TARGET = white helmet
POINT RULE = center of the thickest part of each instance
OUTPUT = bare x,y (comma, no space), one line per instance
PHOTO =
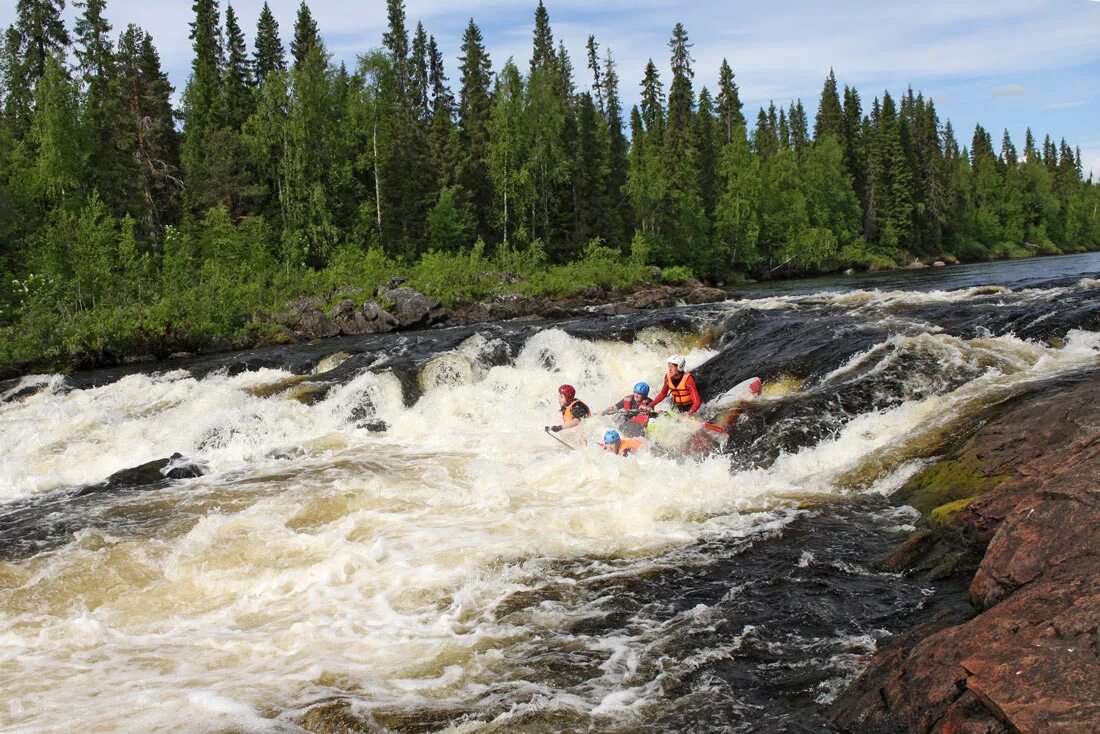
679,360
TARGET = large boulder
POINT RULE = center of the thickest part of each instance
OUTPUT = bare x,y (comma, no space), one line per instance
308,318
151,474
352,319
653,298
412,308
703,294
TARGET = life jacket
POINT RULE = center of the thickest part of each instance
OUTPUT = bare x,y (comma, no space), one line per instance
681,393
567,411
630,445
630,404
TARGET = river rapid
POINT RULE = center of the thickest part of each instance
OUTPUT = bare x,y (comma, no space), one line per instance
384,535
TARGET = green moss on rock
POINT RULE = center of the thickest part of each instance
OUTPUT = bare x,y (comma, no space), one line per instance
947,483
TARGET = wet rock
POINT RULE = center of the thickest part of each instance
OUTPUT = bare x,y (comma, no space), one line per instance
1028,661
702,294
369,318
150,473
654,298
412,308
215,345
138,358
939,264
915,265
510,306
180,355
613,309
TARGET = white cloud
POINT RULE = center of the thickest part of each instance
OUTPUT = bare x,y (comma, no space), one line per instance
1009,90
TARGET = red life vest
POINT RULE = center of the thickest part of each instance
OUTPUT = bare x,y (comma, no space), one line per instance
630,404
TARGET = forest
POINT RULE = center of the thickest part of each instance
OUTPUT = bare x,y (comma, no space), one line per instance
129,225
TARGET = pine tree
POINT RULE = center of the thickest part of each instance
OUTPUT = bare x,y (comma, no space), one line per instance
237,85
441,137
653,100
42,35
729,103
800,132
306,35
829,115
473,132
269,56
619,227
592,49
542,51
202,98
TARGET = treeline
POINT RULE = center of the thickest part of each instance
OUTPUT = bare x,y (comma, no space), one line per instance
122,218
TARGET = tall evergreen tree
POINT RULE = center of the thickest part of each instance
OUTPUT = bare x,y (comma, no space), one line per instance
42,35
269,55
592,49
800,132
653,100
618,229
202,104
473,133
306,35
829,115
441,139
237,86
729,103
419,73
542,50
708,140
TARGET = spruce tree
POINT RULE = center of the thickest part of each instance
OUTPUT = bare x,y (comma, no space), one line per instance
619,228
729,103
800,133
851,137
542,51
419,70
473,132
202,108
269,55
306,35
708,141
592,49
237,85
42,35
441,137
829,115
653,100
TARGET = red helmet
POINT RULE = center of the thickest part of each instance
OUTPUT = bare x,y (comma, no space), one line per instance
568,391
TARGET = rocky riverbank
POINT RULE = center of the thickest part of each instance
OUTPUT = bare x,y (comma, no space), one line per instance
1019,507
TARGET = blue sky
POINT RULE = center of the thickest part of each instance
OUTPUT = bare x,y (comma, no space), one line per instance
1006,63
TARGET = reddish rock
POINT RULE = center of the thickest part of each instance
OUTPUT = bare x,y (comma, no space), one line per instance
1030,661
654,298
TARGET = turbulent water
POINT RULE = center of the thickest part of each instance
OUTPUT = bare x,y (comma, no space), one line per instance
384,534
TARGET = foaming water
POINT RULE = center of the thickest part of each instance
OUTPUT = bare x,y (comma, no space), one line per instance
461,568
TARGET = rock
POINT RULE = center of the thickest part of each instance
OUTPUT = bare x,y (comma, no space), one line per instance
149,474
138,358
509,277
412,308
613,309
702,294
369,318
939,264
915,265
215,344
594,293
654,298
180,355
316,325
389,285
511,306
1028,661
244,341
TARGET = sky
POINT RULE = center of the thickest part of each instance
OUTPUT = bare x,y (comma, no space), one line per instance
1007,64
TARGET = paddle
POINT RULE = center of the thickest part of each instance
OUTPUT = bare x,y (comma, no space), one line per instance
563,443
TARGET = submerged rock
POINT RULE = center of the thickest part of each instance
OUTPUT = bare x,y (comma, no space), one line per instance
1028,661
146,475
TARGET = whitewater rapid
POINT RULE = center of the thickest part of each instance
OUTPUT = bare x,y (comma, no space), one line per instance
412,568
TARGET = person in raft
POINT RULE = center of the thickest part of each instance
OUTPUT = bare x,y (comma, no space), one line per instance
616,444
681,385
573,411
634,410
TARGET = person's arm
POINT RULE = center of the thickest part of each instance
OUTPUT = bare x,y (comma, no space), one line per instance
661,395
615,408
696,398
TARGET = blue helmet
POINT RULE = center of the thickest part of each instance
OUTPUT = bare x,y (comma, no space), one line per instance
642,388
612,436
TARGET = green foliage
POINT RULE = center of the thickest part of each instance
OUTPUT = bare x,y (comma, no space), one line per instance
120,232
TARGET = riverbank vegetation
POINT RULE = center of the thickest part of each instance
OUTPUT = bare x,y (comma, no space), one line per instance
125,221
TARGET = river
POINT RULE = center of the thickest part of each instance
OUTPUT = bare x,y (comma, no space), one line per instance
384,538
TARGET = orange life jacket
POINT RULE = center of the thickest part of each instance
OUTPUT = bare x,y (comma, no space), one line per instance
681,394
567,411
629,445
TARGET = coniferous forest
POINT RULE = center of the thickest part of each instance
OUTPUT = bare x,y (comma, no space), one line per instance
128,224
